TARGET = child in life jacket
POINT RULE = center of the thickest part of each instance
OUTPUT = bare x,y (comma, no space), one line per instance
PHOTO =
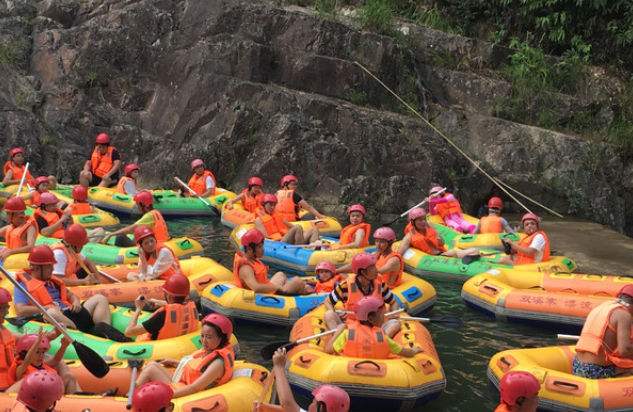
31,357
365,338
445,204
326,279
356,234
80,205
153,397
519,392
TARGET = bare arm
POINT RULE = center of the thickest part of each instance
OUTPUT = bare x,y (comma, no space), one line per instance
116,165
404,244
123,231
133,328
310,209
260,226
329,347
622,321
8,178
213,372
248,277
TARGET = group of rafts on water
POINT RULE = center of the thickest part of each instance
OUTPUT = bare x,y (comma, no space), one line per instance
542,291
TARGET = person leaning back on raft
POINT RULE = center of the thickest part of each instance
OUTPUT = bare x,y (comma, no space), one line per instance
534,248
21,232
155,259
251,197
103,167
356,234
275,227
290,203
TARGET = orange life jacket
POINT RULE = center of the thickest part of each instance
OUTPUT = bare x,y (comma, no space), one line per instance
18,171
366,342
197,182
425,242
160,227
51,218
328,285
19,407
14,234
13,371
354,293
490,224
524,259
101,164
408,228
35,200
37,289
286,207
382,261
120,187
72,266
503,407
79,208
274,230
592,334
202,359
448,208
7,353
348,232
151,259
251,203
261,270
180,319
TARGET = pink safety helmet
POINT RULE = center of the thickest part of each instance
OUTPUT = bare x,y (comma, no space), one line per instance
416,213
196,162
530,216
363,261
516,385
356,208
103,138
152,397
40,390
41,179
252,236
255,181
385,233
269,198
334,398
26,341
366,305
325,266
287,179
47,198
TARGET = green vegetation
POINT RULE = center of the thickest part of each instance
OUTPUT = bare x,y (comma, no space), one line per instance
356,97
621,130
377,16
326,8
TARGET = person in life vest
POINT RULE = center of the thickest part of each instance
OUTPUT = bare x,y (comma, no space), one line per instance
519,392
365,281
421,235
275,227
155,260
364,338
49,218
39,392
493,223
290,203
31,357
52,293
208,367
40,186
103,167
127,184
534,248
150,217
14,169
21,232
153,397
356,234
251,197
80,205
327,398
605,346
202,182
389,263
176,315
249,272
326,278
449,209
67,267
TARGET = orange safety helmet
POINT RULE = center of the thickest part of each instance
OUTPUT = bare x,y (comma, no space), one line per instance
495,202
287,179
144,198
80,193
103,138
177,285
41,255
14,151
14,205
255,181
75,235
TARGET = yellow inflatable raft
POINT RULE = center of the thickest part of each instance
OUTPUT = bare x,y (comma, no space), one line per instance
561,391
329,227
394,384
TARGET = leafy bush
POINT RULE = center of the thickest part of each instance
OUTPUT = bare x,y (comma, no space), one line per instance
377,16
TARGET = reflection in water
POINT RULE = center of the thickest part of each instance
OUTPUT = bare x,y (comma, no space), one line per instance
464,352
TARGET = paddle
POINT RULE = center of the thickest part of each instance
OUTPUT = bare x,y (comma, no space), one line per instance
568,337
20,321
445,320
205,201
135,364
91,359
308,246
26,169
267,386
268,350
471,258
85,268
407,212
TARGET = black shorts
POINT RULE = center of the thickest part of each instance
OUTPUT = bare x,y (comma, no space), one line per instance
96,180
81,319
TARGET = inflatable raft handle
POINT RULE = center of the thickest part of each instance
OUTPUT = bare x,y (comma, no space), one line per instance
359,364
88,218
135,354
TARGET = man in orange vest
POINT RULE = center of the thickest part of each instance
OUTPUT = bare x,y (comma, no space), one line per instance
202,182
155,260
605,349
14,169
290,203
493,223
519,392
21,232
103,167
534,248
67,267
275,227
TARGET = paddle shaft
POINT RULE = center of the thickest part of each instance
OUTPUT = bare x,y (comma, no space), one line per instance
132,385
407,212
568,337
269,383
26,170
193,192
85,268
393,312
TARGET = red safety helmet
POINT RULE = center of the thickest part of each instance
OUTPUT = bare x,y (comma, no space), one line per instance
103,138
530,216
287,179
144,198
356,208
152,397
41,179
269,198
385,233
26,341
363,261
626,290
130,168
40,390
435,189
75,235
325,266
518,384
80,193
416,213
334,398
196,162
177,285
252,236
5,296
220,321
41,255
365,305
48,198
14,151
141,232
255,181
495,202
14,205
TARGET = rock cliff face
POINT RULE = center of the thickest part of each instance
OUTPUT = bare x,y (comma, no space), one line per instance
255,89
